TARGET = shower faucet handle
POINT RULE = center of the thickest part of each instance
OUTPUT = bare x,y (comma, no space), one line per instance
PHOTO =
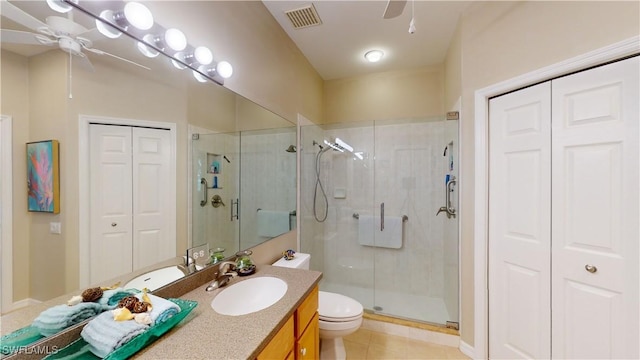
442,209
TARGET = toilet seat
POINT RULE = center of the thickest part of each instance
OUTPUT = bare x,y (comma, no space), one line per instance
338,308
339,326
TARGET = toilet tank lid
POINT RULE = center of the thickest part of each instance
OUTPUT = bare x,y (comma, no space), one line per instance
298,261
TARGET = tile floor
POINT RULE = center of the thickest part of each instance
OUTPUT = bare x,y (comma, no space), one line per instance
368,344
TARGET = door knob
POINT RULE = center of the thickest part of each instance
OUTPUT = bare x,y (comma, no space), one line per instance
590,268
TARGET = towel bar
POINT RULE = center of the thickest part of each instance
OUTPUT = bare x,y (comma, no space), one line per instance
404,217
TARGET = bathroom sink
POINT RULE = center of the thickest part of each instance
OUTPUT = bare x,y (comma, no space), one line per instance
249,296
155,279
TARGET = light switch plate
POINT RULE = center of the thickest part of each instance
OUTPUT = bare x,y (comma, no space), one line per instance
55,228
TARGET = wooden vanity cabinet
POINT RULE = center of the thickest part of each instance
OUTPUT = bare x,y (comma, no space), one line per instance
299,338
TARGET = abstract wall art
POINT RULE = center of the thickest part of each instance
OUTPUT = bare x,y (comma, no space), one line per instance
43,176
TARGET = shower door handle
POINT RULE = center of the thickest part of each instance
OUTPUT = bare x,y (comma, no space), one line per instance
203,202
381,216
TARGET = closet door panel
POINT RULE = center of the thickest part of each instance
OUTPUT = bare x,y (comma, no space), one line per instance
153,240
519,224
595,212
111,226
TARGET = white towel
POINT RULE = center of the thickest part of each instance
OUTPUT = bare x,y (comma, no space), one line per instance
369,233
391,236
366,230
272,223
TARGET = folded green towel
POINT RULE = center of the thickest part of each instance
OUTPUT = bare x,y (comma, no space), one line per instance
104,335
60,317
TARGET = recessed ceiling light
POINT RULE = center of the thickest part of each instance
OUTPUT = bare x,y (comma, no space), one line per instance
374,55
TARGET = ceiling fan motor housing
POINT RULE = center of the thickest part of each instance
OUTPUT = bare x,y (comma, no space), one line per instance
70,45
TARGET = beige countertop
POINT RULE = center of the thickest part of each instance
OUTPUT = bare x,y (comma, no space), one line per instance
205,334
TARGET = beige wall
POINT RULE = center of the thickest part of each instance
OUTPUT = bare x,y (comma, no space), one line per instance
14,92
500,40
268,68
385,95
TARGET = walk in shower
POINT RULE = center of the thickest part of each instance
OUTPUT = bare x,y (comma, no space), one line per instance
369,193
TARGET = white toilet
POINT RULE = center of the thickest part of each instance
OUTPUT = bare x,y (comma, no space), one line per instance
339,315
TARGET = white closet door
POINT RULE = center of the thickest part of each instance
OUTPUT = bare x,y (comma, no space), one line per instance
153,240
519,224
111,225
595,213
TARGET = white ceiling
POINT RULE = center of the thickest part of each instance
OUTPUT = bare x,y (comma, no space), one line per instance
350,28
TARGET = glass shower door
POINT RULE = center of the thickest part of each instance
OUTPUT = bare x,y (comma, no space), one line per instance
414,278
215,183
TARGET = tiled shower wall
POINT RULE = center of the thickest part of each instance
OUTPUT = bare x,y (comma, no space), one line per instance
407,174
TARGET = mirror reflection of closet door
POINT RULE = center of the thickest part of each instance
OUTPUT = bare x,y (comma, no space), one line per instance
129,175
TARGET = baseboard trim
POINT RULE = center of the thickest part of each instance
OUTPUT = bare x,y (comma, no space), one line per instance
21,304
467,349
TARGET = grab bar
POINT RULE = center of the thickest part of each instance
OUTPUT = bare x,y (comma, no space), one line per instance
203,202
448,208
356,216
381,216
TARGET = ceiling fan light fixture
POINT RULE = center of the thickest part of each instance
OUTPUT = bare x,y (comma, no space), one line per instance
138,15
175,39
374,55
107,30
60,5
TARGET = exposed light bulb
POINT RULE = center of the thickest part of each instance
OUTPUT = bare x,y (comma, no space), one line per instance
224,69
199,76
203,55
175,39
374,55
138,15
107,30
60,6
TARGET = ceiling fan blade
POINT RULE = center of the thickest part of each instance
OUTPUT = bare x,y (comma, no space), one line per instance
394,8
83,62
92,35
100,52
16,14
18,37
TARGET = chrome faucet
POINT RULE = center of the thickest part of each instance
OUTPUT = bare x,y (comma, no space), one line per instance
223,276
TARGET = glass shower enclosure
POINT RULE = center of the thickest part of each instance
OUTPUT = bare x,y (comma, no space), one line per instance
371,195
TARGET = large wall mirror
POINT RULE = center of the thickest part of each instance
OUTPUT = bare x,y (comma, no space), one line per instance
51,94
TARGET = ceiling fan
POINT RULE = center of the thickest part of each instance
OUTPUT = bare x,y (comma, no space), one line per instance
396,7
68,35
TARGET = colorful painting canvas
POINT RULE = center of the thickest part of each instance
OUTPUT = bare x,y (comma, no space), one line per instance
43,176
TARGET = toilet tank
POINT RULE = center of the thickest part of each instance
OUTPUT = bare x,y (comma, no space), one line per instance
299,261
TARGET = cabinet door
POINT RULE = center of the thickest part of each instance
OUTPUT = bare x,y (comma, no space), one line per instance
308,345
519,224
281,345
306,311
595,196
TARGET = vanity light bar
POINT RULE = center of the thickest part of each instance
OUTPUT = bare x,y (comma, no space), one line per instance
135,19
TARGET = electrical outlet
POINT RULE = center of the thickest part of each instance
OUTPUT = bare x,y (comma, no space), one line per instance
55,228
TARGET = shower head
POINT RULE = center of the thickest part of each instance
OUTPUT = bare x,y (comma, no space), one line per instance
291,149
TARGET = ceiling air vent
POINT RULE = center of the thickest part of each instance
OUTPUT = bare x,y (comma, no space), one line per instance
304,17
